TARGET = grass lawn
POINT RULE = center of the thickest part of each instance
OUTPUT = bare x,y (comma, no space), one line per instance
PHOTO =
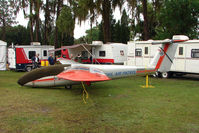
113,106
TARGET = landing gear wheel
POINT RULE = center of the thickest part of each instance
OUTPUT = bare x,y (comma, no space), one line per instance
165,75
29,68
68,86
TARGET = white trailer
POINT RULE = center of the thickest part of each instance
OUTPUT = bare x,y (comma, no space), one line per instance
111,53
3,55
19,56
186,59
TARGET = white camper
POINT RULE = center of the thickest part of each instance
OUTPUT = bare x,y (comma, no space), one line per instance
186,60
19,56
3,55
111,53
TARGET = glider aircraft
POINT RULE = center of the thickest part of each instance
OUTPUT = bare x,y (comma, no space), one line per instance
71,72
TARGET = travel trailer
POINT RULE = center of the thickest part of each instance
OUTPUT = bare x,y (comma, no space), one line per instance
3,56
97,52
186,59
19,56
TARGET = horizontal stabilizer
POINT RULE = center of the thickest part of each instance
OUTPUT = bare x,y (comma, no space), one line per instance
83,74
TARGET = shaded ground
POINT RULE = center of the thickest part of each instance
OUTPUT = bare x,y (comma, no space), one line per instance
114,106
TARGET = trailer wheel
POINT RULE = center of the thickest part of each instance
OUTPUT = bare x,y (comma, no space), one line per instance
68,86
29,68
165,75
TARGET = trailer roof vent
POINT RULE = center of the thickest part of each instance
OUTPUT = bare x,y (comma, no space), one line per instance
35,43
180,38
97,42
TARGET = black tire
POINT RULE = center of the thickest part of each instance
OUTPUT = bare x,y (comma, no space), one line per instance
68,86
28,68
165,75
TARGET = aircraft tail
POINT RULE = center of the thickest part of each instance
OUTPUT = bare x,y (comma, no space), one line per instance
163,59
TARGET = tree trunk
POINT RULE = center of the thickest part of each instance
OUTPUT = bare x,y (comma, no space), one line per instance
37,9
59,4
91,31
31,22
146,31
37,29
46,25
4,30
106,20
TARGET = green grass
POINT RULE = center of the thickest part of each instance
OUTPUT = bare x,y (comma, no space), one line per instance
113,106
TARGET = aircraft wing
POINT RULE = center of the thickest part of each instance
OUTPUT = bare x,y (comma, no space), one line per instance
83,74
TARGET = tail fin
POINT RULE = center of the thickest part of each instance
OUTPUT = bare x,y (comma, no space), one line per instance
163,59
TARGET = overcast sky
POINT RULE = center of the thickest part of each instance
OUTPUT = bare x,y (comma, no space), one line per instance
79,29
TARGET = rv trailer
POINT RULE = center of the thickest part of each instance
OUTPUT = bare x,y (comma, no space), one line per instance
3,55
19,56
110,53
186,60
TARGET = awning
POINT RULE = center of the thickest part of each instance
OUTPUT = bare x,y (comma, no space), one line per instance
73,46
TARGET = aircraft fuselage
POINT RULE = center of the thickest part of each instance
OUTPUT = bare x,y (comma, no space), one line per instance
112,71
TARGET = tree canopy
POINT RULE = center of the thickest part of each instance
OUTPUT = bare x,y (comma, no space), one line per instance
151,19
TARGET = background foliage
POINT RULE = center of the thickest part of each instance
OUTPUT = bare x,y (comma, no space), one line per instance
156,19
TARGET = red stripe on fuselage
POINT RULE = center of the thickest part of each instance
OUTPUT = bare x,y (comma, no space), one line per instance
162,57
43,80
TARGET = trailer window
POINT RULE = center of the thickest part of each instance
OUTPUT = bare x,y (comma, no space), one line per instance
146,50
102,53
180,50
122,52
138,52
195,53
31,54
45,53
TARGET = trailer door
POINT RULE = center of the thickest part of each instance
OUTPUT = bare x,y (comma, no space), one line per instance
138,56
12,58
146,57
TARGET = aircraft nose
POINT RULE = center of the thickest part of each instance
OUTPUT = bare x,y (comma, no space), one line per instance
29,84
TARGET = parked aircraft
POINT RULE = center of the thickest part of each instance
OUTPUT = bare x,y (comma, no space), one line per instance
71,73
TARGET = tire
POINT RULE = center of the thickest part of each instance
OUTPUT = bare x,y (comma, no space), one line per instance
165,75
28,68
68,86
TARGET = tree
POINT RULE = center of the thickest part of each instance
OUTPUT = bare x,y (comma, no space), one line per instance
29,4
65,23
125,32
17,35
91,8
146,29
46,23
6,16
37,7
92,35
179,17
104,7
49,10
58,5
